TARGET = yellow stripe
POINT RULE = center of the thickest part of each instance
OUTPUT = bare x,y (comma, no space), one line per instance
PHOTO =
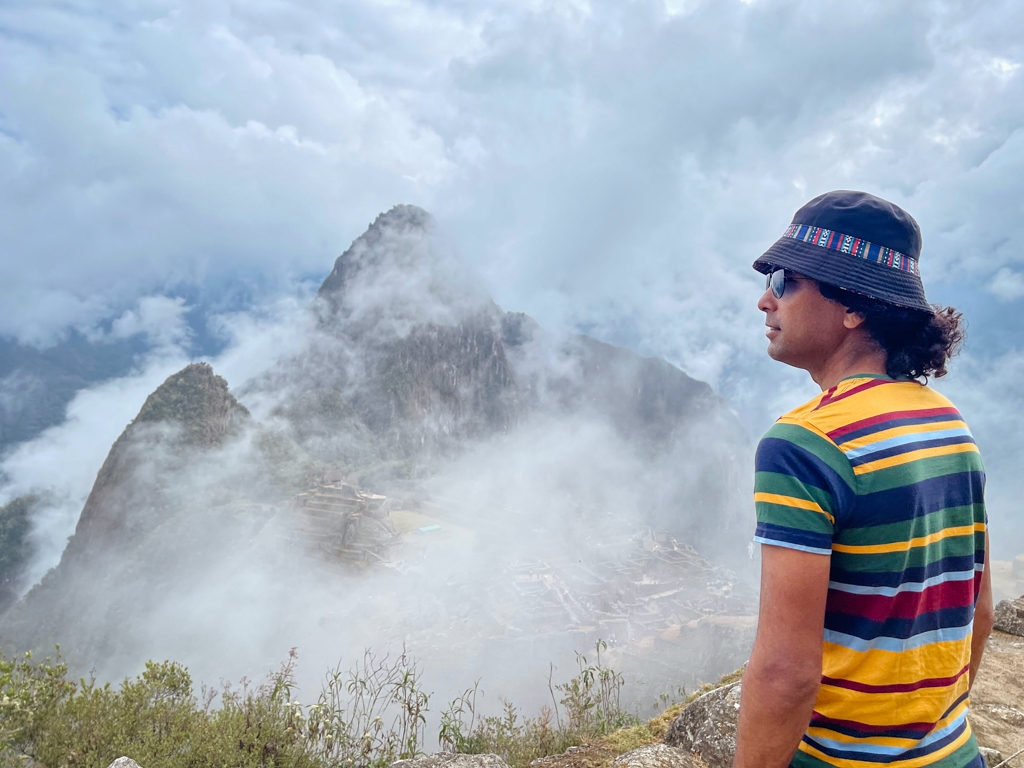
980,527
900,431
903,546
854,741
922,706
923,453
917,762
899,396
792,501
879,667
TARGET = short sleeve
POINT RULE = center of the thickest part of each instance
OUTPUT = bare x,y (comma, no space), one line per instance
798,494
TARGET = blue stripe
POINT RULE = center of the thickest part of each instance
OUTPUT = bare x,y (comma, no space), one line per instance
786,535
938,744
908,575
913,437
913,500
790,545
892,733
907,448
897,645
944,618
906,586
881,749
896,732
910,421
782,457
877,754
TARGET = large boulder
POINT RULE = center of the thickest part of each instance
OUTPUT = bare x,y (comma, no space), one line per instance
1010,616
452,760
707,727
992,757
655,756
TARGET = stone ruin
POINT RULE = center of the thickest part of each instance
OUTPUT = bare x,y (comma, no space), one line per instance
660,605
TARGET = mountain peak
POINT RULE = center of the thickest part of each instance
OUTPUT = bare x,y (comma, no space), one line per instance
198,404
393,237
198,401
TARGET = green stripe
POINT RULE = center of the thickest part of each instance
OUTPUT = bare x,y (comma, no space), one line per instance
917,471
905,530
804,519
787,485
918,557
817,445
961,758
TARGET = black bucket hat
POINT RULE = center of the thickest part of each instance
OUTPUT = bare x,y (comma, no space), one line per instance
857,242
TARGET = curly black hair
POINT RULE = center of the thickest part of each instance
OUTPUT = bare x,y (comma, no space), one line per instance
917,344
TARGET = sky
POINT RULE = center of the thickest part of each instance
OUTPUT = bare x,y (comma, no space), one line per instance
181,171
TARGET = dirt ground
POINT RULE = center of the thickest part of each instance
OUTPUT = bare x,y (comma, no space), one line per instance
997,701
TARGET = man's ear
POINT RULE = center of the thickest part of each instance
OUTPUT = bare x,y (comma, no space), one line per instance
852,319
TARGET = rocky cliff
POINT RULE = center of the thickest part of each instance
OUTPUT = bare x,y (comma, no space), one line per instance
191,410
408,367
147,519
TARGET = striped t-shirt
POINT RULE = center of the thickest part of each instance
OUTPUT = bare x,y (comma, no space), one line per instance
883,476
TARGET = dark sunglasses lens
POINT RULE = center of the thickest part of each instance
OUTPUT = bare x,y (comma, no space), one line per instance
777,281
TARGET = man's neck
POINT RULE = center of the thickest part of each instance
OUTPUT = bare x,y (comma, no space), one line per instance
846,363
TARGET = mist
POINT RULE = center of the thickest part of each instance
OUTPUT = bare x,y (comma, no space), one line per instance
526,459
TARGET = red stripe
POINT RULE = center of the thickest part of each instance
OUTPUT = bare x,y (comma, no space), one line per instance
828,399
935,682
819,720
854,426
903,605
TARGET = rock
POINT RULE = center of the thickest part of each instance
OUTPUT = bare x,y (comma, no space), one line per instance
1010,616
993,757
573,756
124,762
655,756
452,760
707,727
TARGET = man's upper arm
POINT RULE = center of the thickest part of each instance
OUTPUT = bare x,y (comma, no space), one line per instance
800,489
794,589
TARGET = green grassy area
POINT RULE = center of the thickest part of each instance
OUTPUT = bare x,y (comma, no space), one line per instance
367,717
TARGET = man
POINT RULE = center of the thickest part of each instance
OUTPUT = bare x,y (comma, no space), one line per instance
875,592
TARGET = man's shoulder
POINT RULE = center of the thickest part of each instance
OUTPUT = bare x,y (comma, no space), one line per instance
856,410
794,441
868,402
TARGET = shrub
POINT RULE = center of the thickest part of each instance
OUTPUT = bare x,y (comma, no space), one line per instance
368,717
592,706
155,718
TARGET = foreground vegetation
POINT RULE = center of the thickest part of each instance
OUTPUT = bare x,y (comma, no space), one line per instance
367,717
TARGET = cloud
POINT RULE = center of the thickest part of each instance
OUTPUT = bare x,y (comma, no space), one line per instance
62,462
1007,284
605,166
161,319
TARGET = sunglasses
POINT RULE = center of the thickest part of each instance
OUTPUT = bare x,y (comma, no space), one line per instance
777,279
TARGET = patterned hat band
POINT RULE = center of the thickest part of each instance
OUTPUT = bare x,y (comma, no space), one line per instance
862,249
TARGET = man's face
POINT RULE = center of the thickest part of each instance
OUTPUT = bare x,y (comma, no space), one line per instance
804,328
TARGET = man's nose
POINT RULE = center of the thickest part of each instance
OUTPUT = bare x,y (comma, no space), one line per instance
768,302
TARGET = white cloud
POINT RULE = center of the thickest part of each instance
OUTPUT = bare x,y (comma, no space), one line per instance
62,462
608,166
160,318
1007,284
